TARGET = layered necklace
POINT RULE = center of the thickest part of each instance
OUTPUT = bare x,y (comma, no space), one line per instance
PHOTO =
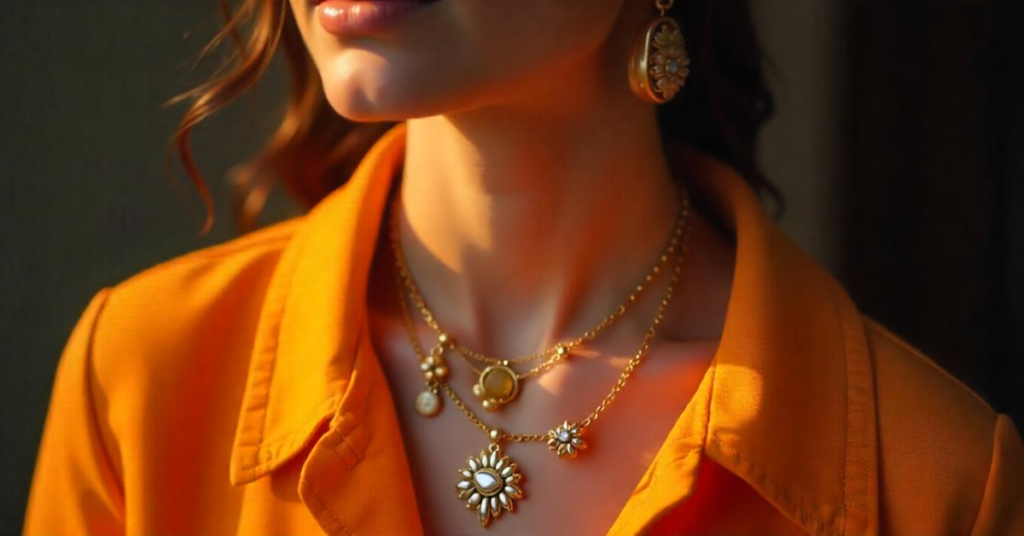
491,482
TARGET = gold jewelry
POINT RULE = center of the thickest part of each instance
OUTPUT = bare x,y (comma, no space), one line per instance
498,384
491,483
659,63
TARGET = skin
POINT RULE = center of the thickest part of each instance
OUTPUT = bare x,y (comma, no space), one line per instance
536,194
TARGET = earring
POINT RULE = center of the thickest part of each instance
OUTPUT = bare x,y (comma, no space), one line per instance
659,63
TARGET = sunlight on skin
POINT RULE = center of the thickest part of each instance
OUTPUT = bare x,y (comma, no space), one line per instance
508,137
536,194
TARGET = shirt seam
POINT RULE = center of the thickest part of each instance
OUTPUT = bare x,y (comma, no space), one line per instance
849,409
324,508
275,348
892,337
272,447
105,295
211,253
988,476
358,454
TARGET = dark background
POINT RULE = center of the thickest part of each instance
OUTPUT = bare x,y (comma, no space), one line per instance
898,143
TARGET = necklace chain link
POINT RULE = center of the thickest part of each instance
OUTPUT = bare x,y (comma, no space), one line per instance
560,350
681,235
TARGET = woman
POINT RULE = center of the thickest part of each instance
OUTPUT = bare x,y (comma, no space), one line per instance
508,319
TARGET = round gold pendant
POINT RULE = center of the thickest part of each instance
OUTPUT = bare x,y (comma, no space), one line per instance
428,404
490,484
497,385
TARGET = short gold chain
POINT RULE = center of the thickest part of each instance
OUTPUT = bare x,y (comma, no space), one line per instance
682,233
468,354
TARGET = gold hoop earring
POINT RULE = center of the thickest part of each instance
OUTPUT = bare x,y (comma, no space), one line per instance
659,63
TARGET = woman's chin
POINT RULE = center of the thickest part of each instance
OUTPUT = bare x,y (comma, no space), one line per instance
371,91
361,106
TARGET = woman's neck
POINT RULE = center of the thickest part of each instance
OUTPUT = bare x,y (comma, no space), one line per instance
526,224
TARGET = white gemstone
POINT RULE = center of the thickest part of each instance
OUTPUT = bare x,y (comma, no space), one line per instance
564,436
485,481
673,66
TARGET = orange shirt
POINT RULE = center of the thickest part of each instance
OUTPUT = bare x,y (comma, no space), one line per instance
233,390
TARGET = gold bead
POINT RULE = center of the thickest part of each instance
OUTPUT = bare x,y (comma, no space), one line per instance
443,338
562,350
441,371
430,362
478,391
429,375
489,405
424,366
495,434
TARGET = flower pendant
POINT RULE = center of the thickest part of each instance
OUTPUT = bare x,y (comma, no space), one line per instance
565,440
659,64
490,484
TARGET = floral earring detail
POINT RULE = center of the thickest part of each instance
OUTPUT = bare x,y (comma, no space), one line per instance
659,64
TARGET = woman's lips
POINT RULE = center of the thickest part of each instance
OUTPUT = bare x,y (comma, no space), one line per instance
343,17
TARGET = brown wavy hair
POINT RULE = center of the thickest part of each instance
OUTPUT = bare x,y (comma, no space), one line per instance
314,150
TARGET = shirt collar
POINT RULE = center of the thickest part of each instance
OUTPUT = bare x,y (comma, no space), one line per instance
312,318
788,403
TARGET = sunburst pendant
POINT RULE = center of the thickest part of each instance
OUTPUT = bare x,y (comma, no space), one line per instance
490,484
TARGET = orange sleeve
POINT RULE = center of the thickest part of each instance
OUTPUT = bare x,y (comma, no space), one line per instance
74,488
1002,506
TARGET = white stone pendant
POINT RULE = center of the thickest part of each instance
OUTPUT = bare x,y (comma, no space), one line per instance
428,403
490,484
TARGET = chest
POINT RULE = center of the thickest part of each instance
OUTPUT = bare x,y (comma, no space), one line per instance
581,495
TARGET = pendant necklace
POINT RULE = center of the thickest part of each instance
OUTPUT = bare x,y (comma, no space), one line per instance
491,482
498,383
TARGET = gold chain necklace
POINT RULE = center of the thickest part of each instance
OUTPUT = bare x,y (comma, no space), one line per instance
498,383
491,482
